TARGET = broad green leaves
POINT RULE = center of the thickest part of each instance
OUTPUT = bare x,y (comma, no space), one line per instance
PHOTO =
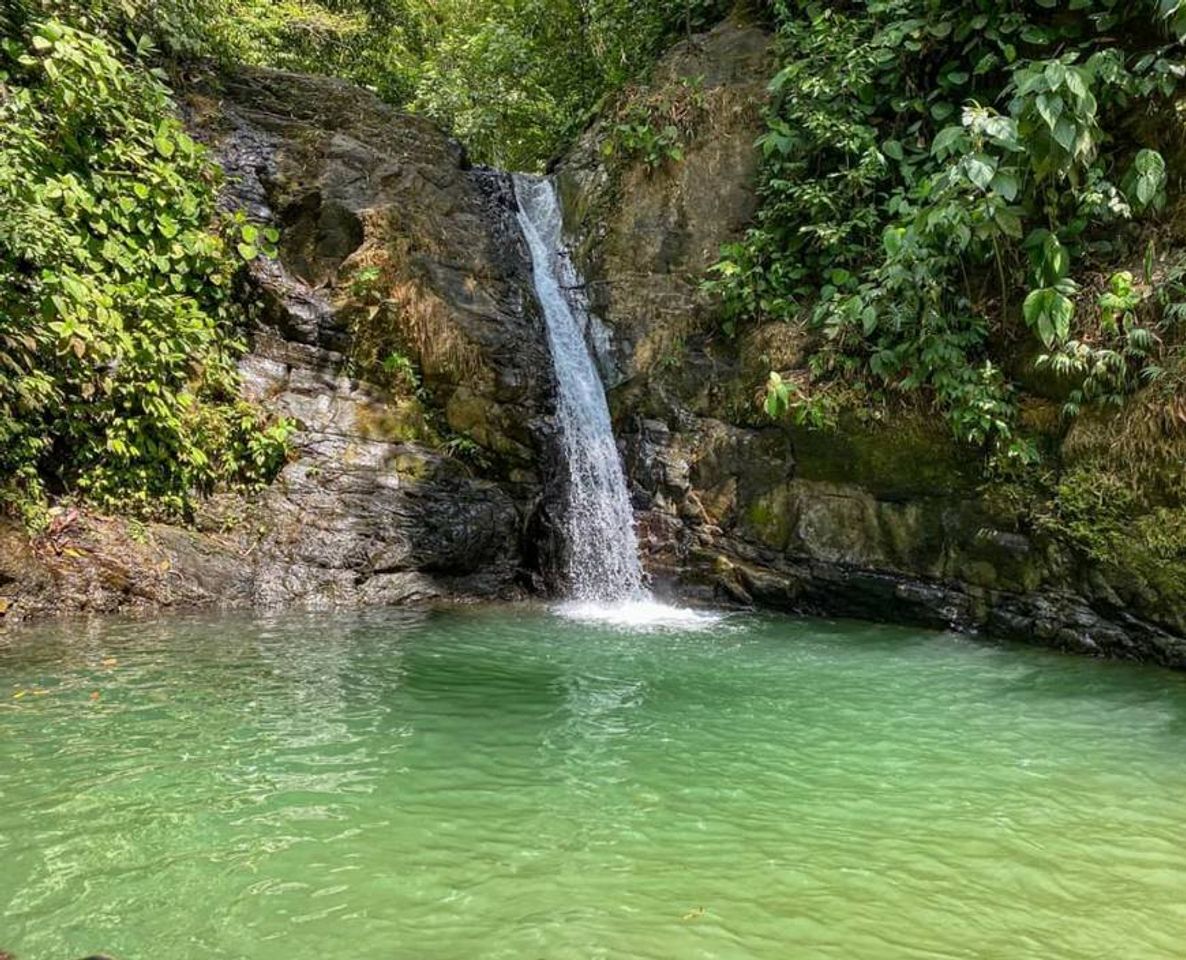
778,397
1146,181
1049,309
513,79
1056,117
1120,359
1119,300
980,170
1174,13
916,156
1049,312
117,375
253,241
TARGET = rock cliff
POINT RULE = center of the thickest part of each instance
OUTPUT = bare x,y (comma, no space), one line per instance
396,330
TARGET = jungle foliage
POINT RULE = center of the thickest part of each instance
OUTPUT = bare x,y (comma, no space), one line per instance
939,177
512,79
117,319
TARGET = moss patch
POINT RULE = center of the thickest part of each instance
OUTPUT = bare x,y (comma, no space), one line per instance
907,457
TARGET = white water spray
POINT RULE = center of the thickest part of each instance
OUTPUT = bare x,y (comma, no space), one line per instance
605,576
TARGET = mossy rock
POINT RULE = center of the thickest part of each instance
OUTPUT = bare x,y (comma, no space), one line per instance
1136,542
400,420
487,424
903,458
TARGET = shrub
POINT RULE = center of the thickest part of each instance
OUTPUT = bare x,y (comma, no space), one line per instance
117,319
933,174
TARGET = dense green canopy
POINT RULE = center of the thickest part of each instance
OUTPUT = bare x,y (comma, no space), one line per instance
511,78
118,327
941,178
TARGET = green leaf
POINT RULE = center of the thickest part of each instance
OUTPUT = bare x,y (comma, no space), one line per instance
777,397
1009,222
1076,82
1146,190
1049,108
1049,313
1006,185
247,251
1035,303
980,170
1055,73
947,141
1055,262
1147,179
942,110
1065,134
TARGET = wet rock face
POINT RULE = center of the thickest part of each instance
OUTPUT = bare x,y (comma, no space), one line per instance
364,515
882,520
402,250
390,245
409,252
645,238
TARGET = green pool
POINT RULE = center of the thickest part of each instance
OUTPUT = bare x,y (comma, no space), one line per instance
506,783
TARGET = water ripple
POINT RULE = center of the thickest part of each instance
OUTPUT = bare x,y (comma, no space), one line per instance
512,784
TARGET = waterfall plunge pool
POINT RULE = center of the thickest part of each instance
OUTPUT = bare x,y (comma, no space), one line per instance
507,783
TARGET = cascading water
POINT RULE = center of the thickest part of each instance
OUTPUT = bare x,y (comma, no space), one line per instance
599,524
605,576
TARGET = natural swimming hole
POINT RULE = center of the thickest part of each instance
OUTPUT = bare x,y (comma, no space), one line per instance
502,782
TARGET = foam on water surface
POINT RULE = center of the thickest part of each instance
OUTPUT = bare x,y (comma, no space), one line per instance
643,613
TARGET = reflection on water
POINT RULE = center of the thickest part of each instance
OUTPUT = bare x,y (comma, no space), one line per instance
506,783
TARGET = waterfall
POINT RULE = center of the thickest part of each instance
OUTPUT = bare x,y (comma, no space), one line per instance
603,563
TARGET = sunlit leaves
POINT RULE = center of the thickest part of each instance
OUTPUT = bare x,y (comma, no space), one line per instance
1056,117
1049,312
115,285
513,79
1146,181
778,397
